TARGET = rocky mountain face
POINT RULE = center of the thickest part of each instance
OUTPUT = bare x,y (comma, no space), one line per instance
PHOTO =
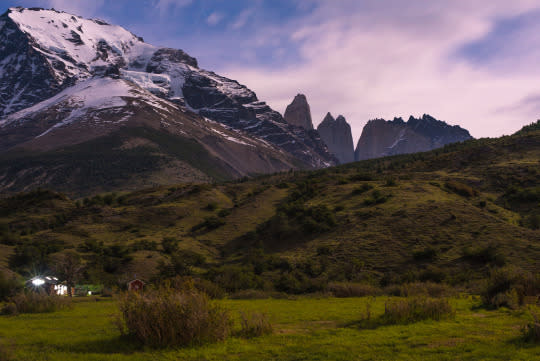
383,138
298,113
336,133
65,80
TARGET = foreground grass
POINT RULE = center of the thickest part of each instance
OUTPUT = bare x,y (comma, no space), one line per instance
305,329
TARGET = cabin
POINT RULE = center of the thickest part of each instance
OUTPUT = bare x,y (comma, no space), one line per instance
47,284
135,285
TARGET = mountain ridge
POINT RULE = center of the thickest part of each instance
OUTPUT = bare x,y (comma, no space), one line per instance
54,67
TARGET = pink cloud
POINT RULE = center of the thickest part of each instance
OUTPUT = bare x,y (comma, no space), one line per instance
367,60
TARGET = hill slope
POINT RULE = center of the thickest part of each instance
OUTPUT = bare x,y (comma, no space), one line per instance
445,215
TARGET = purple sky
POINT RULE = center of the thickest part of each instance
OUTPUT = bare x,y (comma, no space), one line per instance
472,63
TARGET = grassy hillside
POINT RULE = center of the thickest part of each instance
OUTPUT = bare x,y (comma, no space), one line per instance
448,215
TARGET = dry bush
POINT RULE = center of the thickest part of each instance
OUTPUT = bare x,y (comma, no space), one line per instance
258,295
33,302
427,289
349,289
404,311
7,351
531,331
166,317
188,283
254,324
509,287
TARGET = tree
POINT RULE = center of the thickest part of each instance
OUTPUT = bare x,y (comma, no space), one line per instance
68,266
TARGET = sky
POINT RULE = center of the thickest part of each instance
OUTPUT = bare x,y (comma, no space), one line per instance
470,63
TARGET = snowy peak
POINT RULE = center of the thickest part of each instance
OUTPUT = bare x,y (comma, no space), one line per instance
45,53
77,47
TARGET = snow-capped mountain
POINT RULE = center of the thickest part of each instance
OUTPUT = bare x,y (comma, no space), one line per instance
65,80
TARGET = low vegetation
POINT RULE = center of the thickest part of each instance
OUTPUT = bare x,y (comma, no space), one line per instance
165,318
304,328
410,310
254,324
35,302
510,287
531,331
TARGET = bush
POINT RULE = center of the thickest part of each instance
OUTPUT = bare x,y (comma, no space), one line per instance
509,287
426,289
254,324
461,189
6,352
348,289
531,331
488,254
166,318
33,302
426,254
8,287
377,198
362,189
257,295
209,223
410,310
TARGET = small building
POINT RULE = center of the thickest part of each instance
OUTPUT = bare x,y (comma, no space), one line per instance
135,285
47,284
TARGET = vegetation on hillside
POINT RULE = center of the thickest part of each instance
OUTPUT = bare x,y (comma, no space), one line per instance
449,216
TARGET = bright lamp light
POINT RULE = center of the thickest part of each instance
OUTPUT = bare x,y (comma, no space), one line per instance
38,282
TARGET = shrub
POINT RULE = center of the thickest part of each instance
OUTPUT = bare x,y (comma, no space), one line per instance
187,283
209,223
426,254
169,245
6,352
531,331
461,189
416,289
166,318
257,295
349,289
391,182
412,310
509,287
486,254
224,213
362,189
254,324
33,302
377,198
212,206
8,287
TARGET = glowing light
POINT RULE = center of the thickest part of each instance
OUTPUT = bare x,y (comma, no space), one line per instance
38,282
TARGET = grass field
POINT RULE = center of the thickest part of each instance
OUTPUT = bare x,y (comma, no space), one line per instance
305,329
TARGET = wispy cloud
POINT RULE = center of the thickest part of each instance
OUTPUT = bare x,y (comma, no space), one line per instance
242,19
393,58
214,18
164,6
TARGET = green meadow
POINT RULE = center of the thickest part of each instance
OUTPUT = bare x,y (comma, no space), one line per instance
306,328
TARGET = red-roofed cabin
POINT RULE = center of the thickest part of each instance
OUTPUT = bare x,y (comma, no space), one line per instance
135,285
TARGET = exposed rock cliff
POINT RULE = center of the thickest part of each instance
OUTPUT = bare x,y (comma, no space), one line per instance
336,133
383,138
298,113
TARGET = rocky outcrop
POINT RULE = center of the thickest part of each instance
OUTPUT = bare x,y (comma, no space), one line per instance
382,138
298,113
336,133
